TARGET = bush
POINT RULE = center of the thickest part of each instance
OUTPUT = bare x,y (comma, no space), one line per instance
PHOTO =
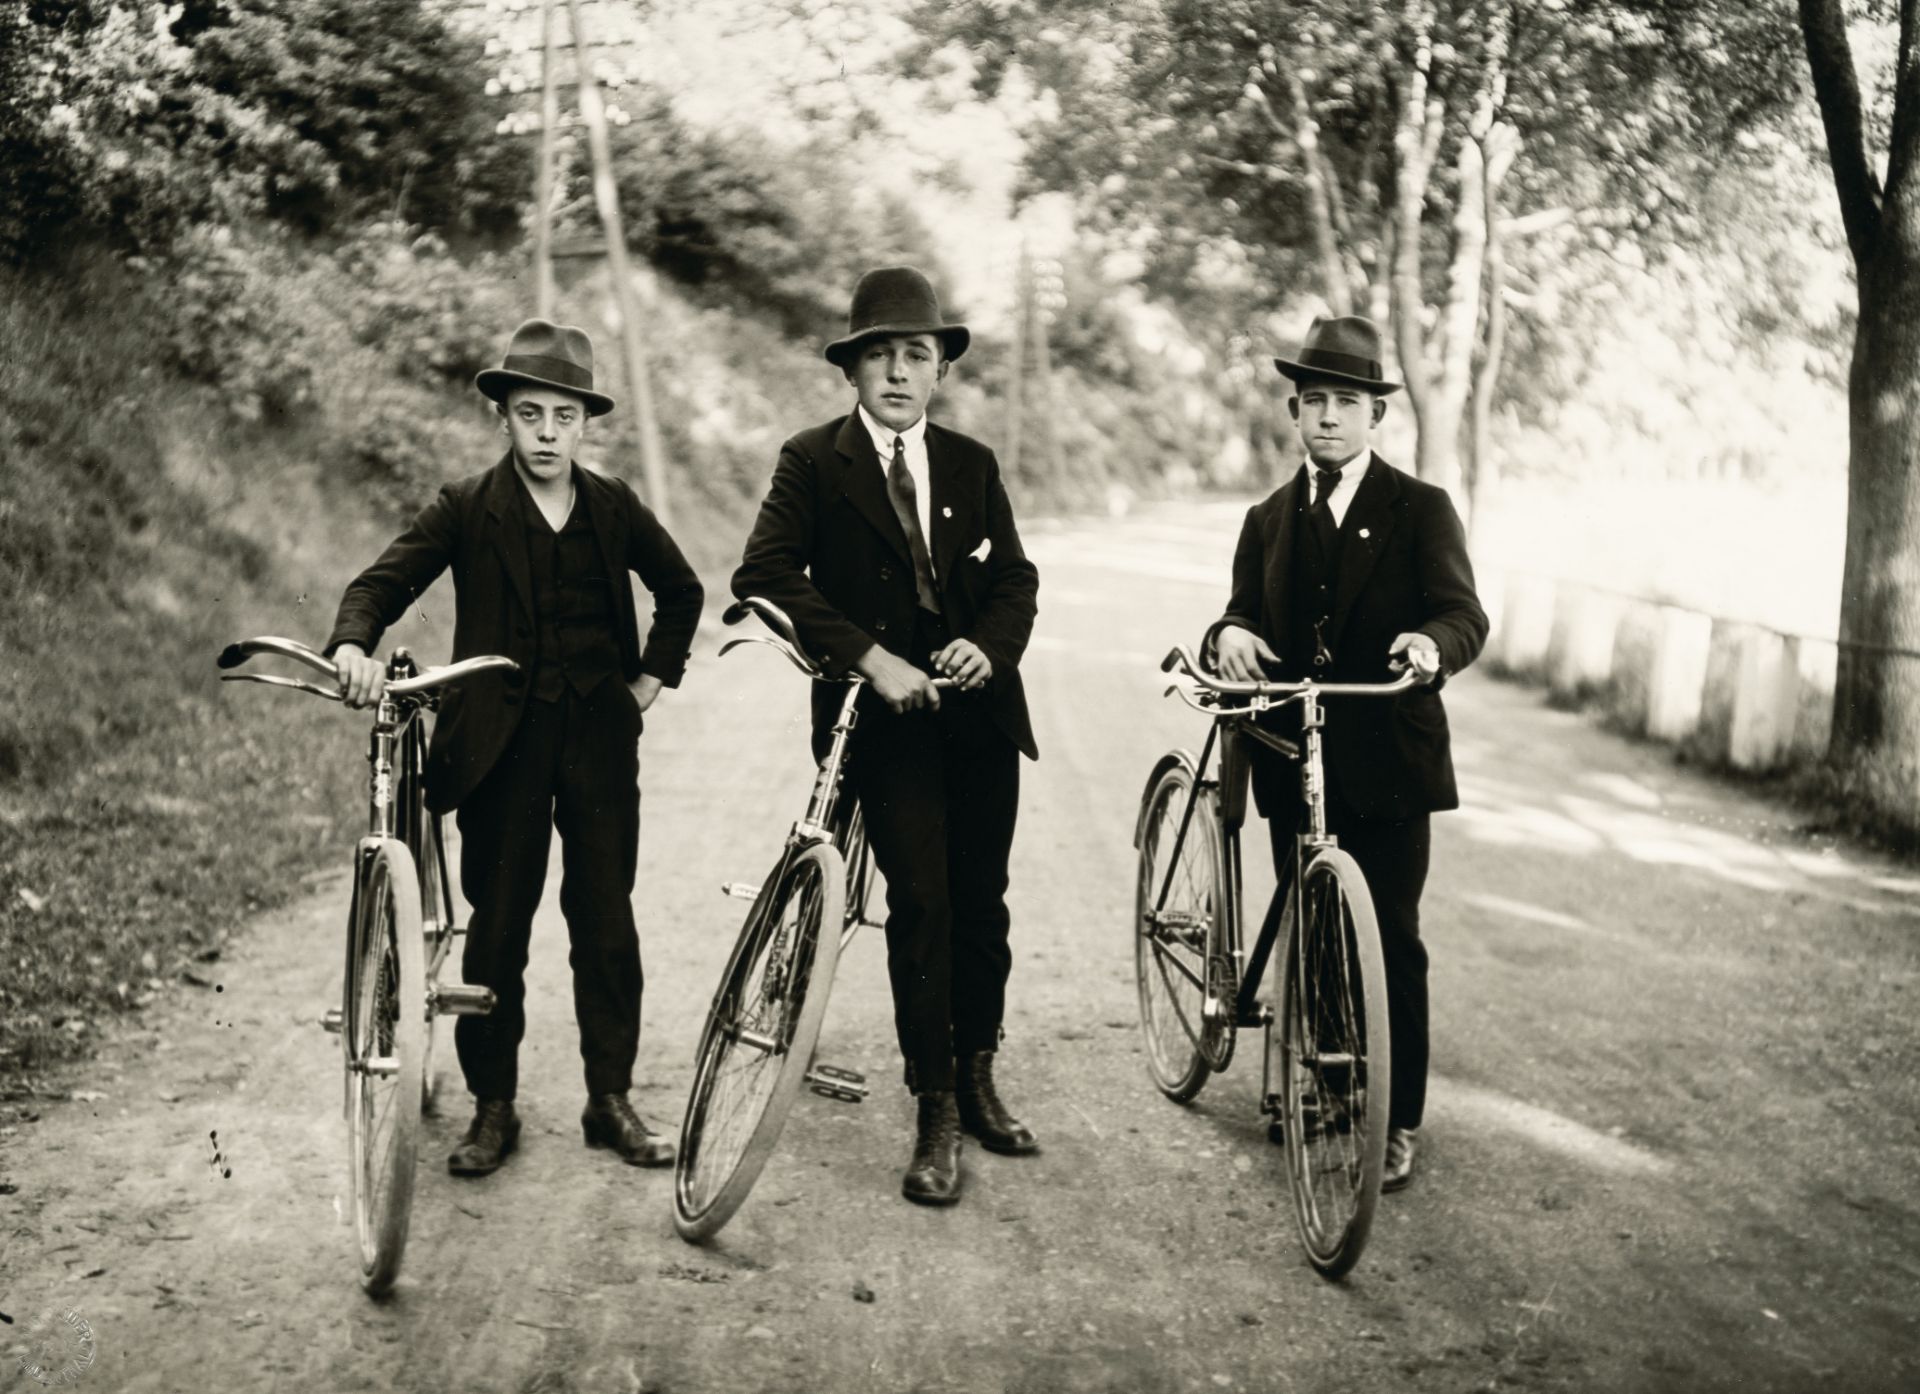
437,320
136,120
226,327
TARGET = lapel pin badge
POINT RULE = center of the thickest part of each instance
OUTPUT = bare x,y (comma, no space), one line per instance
1364,533
946,513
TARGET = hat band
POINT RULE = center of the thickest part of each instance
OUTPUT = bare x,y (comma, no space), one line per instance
1350,364
562,371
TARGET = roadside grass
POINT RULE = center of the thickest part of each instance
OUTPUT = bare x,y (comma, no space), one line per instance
143,809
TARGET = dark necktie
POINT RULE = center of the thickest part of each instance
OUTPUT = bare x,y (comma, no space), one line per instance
1325,481
906,507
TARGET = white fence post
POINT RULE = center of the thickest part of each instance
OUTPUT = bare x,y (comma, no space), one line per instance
1679,674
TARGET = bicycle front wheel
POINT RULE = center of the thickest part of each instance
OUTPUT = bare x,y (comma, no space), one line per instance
1181,961
758,1042
385,1026
1336,1062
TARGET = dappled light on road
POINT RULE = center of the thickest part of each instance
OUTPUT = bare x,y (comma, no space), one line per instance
1462,1106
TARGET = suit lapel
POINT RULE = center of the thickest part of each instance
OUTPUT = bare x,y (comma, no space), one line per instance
950,509
1363,532
609,524
864,481
1286,502
509,530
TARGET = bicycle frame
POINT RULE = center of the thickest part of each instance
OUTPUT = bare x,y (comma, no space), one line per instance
1251,965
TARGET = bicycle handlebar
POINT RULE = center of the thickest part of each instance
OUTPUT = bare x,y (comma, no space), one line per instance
425,681
1181,658
786,639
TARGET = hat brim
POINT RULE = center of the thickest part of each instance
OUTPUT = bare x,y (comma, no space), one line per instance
1379,387
955,336
494,383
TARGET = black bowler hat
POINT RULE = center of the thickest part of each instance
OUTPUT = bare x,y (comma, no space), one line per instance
544,354
895,300
1346,349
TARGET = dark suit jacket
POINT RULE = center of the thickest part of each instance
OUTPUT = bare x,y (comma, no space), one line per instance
472,527
828,549
1403,568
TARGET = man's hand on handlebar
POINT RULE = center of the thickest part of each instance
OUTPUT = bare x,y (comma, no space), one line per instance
964,662
1416,651
901,686
362,679
1240,652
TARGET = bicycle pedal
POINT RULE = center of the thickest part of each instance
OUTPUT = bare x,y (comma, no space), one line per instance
462,999
833,1082
331,1021
740,890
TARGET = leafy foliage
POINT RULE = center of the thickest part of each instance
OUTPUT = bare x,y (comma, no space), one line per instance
134,120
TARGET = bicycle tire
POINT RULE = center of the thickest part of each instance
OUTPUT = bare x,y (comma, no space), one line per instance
436,913
1336,1061
1173,948
775,989
384,1020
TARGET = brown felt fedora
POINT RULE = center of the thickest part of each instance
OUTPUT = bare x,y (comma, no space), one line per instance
1346,349
544,354
896,300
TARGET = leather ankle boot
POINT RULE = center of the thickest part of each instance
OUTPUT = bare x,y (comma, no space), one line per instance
490,1137
609,1121
933,1176
982,1113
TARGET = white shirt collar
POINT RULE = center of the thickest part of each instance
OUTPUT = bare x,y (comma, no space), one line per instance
883,434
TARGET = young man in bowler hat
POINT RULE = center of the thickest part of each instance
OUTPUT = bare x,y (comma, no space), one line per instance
890,543
1348,570
540,550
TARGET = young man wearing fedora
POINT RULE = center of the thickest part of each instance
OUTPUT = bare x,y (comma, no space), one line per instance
540,551
1345,572
890,543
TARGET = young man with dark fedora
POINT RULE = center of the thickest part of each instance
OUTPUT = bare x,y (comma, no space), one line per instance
540,549
891,544
1348,570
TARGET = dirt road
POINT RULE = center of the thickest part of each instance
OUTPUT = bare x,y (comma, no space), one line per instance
1672,1144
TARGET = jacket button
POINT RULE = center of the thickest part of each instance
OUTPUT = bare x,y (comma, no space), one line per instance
880,625
886,573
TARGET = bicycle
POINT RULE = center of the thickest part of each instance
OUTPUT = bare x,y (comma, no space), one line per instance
756,1048
1325,1079
400,930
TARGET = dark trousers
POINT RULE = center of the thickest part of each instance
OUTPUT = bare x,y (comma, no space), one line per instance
574,765
940,791
1393,857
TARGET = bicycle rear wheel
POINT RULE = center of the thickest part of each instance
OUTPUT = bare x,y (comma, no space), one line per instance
758,1042
1182,964
436,914
1336,1062
384,1030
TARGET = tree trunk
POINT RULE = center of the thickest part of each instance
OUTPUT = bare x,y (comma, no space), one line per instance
1876,704
1876,708
1483,472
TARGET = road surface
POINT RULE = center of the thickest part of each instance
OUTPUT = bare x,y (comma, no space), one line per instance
1672,1142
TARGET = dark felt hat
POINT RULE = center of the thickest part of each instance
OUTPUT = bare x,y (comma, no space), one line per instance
544,354
1346,349
895,300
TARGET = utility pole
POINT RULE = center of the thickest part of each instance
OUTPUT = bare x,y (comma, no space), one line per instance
1017,369
543,186
606,196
